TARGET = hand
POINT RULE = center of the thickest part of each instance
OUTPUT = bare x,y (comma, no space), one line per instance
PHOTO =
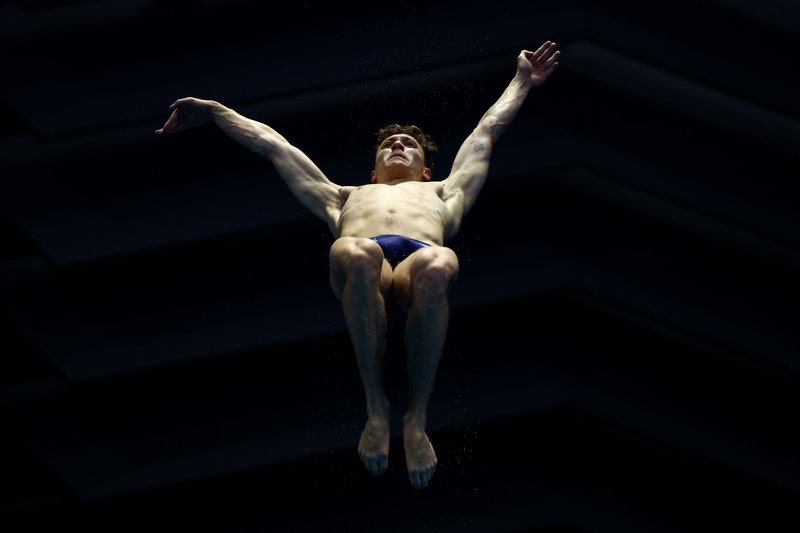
537,66
187,113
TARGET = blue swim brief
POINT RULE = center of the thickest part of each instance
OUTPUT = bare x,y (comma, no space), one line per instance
396,247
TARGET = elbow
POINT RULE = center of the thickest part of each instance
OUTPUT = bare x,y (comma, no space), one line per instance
489,130
267,144
496,129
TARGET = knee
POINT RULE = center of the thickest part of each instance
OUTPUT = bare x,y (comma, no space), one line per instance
435,271
358,259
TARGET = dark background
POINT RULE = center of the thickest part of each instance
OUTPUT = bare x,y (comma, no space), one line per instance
623,351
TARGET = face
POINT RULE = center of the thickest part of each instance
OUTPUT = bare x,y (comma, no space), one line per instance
400,158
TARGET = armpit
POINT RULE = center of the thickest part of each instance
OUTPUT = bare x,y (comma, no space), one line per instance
344,194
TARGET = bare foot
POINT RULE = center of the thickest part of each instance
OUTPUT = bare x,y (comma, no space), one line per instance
420,457
374,445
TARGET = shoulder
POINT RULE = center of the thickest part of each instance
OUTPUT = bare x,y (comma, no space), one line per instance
437,187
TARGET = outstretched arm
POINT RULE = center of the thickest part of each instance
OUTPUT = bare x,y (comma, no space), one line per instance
303,177
471,165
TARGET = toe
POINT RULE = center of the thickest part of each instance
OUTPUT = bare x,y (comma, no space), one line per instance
418,480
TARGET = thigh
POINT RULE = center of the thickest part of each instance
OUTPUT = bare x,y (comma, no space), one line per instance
414,265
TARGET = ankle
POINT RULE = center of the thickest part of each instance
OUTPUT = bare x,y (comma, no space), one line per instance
412,420
381,410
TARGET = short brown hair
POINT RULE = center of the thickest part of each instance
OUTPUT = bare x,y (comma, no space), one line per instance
424,140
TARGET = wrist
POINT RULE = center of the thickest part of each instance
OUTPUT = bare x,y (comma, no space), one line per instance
214,108
522,82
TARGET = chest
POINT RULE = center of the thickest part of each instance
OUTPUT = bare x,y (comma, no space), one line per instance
403,197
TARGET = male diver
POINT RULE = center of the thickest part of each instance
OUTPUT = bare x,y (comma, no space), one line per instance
390,238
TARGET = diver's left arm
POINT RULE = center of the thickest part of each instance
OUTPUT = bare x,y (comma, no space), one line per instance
471,164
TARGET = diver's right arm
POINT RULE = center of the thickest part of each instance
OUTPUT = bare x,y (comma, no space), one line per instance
304,178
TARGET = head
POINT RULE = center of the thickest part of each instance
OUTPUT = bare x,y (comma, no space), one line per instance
402,153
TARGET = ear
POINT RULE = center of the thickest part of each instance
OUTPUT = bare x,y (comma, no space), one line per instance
426,174
373,177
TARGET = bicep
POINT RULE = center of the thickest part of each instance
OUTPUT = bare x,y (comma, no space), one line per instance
305,179
469,171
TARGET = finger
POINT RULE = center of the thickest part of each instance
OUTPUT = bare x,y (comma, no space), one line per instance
187,100
172,124
169,124
541,50
548,53
552,60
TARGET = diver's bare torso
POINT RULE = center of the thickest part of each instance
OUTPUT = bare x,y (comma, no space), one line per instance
413,209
